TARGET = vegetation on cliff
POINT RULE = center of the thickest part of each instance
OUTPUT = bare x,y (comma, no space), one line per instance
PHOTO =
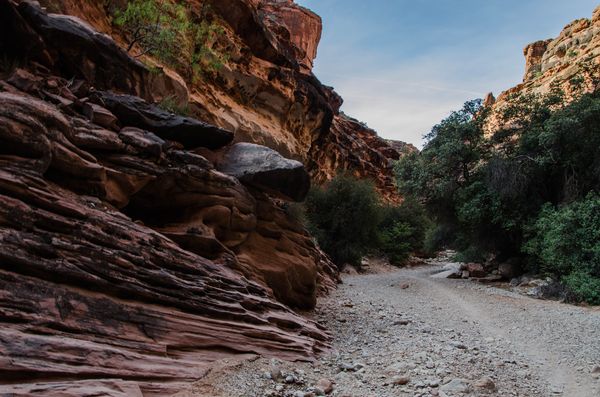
171,33
529,191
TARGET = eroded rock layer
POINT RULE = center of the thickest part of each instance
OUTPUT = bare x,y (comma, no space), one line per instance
139,246
569,62
128,262
266,92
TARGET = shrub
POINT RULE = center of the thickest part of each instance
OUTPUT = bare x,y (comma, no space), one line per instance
344,217
402,230
395,242
585,287
158,28
167,31
567,240
349,221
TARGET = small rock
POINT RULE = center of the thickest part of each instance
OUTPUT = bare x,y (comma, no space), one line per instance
276,374
290,379
101,116
485,383
433,382
458,345
596,369
456,386
400,380
326,385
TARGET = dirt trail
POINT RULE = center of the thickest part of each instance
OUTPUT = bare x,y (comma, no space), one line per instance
445,337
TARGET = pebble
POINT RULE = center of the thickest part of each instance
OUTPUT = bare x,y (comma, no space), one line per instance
400,380
456,386
485,383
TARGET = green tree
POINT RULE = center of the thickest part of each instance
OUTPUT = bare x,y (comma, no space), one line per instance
344,216
565,241
168,31
158,28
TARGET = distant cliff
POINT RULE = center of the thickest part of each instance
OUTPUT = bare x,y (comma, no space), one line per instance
567,62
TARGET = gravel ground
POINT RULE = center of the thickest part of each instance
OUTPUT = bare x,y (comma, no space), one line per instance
404,333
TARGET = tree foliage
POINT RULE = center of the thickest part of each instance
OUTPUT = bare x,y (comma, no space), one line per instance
485,193
170,32
349,221
344,217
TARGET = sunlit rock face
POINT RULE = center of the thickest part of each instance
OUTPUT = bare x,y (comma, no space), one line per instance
266,92
558,62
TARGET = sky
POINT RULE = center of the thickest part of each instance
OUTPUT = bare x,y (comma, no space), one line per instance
403,65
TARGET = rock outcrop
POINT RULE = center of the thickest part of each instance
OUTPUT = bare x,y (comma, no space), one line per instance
267,170
266,92
559,62
191,133
354,148
128,262
139,246
297,26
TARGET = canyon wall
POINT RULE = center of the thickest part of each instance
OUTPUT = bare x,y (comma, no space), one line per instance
266,92
139,246
570,62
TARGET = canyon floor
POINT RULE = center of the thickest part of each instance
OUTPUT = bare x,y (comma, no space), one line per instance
405,333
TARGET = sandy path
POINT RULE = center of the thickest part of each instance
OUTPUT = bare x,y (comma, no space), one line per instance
446,337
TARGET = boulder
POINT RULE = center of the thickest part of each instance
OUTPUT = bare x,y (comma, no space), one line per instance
509,270
99,115
133,111
475,270
266,169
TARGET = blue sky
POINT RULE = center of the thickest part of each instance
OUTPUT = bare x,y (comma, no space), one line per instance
404,65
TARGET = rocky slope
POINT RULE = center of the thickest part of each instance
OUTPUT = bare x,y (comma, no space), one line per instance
574,54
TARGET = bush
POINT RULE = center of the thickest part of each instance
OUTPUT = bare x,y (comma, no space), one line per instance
402,230
349,221
585,287
395,242
567,240
158,28
344,217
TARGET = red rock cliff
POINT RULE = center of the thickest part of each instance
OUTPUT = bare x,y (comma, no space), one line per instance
139,246
555,62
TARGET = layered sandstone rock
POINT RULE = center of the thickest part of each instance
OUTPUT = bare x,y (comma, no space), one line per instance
266,92
92,293
129,263
294,25
353,147
568,62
